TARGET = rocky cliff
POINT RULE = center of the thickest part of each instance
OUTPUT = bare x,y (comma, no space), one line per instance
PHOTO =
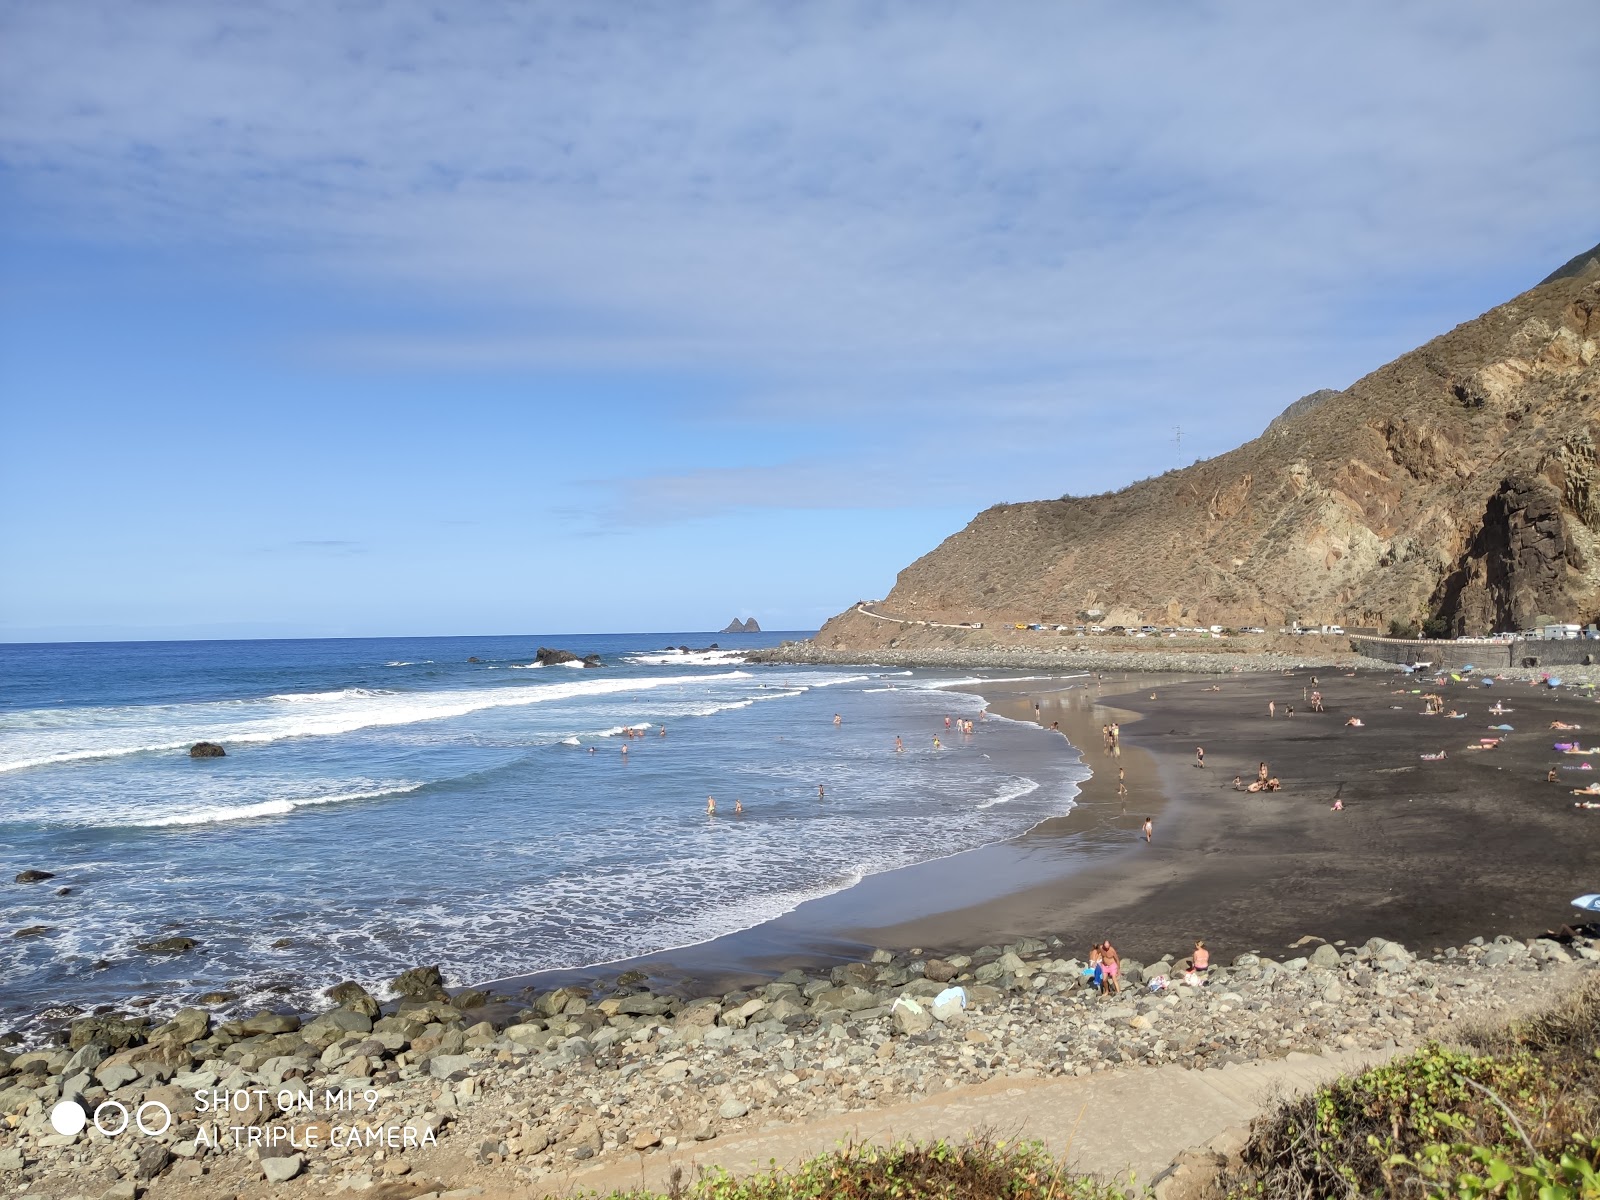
1458,481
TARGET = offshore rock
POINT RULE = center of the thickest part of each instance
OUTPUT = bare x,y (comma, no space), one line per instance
207,750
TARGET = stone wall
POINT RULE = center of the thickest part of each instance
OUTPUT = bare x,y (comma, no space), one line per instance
1485,655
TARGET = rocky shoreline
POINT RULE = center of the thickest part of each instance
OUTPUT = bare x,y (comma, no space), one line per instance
529,1087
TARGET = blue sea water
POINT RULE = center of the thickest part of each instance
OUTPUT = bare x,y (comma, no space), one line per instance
386,802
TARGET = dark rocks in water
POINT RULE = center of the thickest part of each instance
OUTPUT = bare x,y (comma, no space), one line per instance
474,660
550,658
738,626
217,997
343,993
424,983
207,750
64,891
31,931
171,945
283,944
35,876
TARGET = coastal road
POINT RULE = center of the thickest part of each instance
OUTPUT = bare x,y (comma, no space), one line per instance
1107,1124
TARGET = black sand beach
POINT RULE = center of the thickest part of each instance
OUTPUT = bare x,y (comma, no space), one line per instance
1430,853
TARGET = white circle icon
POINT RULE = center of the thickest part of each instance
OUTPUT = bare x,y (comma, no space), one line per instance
68,1118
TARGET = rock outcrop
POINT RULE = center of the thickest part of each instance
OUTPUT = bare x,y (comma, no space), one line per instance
548,657
1457,482
207,750
738,626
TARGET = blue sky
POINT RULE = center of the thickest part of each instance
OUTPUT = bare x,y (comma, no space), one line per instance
363,318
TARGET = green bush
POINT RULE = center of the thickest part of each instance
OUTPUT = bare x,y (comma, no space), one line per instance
981,1169
1512,1113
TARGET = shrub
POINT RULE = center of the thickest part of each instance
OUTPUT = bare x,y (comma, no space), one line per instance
1512,1112
980,1169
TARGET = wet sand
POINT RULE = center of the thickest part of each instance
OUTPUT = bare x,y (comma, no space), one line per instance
1426,853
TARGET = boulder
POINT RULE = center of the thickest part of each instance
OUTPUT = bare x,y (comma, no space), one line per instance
1325,956
207,750
909,1017
343,993
171,945
737,1018
450,1066
949,1004
188,1025
153,1159
423,983
32,931
554,1003
700,1013
938,970
35,876
270,1023
848,998
109,1030
283,1168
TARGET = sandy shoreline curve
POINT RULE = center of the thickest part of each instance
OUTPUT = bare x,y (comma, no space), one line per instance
1426,852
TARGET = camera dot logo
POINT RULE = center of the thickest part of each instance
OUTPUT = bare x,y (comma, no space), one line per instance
68,1118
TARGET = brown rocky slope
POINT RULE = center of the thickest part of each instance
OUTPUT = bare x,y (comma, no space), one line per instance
1458,481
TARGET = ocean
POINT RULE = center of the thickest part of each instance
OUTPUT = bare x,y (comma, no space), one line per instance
385,802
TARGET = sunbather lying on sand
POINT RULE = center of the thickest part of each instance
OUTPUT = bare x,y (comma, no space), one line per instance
1356,723
1562,725
1437,757
1586,804
1592,790
1265,785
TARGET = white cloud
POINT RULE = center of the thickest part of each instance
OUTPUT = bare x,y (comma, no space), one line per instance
1023,211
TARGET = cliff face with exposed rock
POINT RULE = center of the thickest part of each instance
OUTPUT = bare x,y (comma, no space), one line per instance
1458,481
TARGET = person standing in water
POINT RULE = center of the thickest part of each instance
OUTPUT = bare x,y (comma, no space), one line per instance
899,746
936,741
821,793
837,719
1149,830
738,808
711,806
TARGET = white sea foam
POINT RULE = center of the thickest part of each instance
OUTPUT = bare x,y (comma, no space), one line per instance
268,808
681,658
570,741
113,733
1018,789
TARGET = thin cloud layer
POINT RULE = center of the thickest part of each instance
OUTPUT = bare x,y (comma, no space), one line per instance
1019,218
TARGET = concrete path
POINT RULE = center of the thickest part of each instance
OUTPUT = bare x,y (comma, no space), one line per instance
1105,1124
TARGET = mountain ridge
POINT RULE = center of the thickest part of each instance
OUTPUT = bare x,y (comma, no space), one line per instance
1457,482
